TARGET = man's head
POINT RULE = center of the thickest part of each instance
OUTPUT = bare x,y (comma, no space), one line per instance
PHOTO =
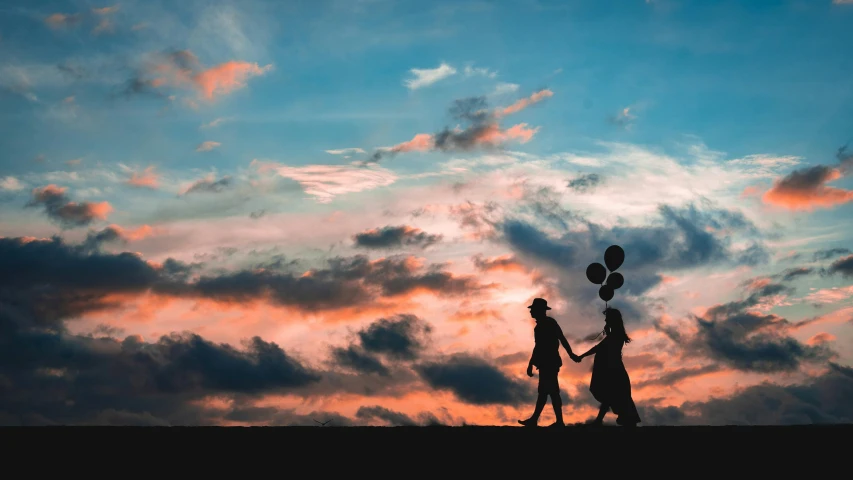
538,308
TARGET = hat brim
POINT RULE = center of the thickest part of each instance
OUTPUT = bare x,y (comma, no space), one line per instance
546,307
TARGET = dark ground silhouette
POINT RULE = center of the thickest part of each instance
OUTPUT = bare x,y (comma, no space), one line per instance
391,450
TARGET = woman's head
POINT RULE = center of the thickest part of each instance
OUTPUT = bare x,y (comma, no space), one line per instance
613,324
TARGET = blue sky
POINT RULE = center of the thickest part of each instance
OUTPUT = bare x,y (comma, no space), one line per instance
681,128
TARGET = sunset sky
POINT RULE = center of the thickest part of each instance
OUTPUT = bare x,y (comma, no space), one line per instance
281,212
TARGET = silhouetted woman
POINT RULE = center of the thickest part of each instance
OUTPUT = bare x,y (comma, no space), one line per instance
610,383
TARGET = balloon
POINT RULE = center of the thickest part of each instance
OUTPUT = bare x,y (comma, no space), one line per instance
613,257
605,293
615,280
596,273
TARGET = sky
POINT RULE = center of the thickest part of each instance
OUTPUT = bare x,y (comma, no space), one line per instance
283,213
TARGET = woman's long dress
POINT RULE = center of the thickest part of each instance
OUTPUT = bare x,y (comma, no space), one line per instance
610,383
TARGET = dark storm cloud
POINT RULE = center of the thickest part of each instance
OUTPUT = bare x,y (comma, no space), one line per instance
738,337
681,238
357,359
585,182
343,282
474,380
94,240
823,400
60,280
842,266
57,377
402,337
395,237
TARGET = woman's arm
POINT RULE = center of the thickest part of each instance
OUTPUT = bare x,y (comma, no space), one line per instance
592,350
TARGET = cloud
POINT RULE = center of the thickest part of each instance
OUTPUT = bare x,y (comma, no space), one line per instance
396,419
424,77
830,295
471,71
98,17
325,182
403,337
843,266
215,122
585,182
207,146
181,69
208,184
819,401
345,151
66,213
506,263
84,279
623,119
474,380
11,183
744,339
505,89
827,254
130,381
395,237
147,179
483,130
524,103
116,234
806,189
63,20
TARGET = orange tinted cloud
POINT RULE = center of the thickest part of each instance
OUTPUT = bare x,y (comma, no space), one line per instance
227,77
148,178
821,338
421,142
182,69
475,315
806,190
138,233
58,206
525,102
505,263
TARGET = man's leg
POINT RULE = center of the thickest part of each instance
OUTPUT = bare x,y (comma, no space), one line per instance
556,401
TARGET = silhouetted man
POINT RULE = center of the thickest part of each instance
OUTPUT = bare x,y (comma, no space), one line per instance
546,357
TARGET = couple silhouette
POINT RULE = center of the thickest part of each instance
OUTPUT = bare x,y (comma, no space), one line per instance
610,384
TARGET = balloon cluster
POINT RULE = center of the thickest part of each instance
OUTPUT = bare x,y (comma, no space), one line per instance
595,272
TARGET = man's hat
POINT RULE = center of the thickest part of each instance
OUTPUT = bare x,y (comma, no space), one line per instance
539,303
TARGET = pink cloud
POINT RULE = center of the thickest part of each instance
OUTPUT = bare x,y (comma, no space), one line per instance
830,295
524,103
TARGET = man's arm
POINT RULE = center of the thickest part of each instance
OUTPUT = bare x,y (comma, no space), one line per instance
562,338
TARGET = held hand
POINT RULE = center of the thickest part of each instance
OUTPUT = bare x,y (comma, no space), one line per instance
530,370
576,358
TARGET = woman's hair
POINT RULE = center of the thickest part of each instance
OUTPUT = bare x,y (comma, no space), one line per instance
614,325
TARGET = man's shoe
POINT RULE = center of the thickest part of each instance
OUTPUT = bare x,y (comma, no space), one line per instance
557,424
528,423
